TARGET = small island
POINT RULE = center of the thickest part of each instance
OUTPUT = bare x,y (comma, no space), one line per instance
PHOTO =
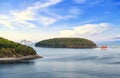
12,51
66,43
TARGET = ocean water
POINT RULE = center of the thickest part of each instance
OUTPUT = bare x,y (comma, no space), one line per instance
67,63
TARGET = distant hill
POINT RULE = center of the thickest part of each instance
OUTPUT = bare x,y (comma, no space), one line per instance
11,49
66,43
117,41
114,40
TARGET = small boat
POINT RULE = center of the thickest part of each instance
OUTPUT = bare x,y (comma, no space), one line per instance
104,47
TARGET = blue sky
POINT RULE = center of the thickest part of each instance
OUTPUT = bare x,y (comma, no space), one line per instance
35,20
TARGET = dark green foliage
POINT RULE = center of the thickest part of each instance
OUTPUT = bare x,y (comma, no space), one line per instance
12,49
66,43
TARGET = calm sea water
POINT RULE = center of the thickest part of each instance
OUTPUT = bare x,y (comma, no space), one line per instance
67,63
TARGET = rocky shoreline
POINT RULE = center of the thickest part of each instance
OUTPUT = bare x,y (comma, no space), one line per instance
14,59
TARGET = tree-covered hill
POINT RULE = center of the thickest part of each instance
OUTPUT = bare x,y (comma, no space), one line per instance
11,49
66,43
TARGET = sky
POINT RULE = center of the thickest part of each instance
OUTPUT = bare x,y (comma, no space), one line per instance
35,20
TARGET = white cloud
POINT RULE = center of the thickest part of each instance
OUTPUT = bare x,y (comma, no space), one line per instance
85,30
46,20
4,20
116,37
65,33
22,18
75,11
39,12
47,4
30,12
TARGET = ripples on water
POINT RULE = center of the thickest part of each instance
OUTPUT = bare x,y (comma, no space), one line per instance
67,63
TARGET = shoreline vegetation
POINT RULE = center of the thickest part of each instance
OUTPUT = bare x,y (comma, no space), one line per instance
12,51
66,43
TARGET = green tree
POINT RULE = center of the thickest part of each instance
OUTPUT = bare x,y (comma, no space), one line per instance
67,43
11,49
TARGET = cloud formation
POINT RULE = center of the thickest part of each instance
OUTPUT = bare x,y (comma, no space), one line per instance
23,17
4,20
115,38
85,30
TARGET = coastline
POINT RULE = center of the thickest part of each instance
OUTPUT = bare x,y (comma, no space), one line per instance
29,57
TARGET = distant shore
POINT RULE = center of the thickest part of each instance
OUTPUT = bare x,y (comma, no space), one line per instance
29,57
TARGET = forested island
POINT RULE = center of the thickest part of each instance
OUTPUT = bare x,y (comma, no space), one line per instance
10,50
66,43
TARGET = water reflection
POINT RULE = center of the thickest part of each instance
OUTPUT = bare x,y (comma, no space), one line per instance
17,62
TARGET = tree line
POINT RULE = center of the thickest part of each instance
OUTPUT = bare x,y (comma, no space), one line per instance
12,49
66,43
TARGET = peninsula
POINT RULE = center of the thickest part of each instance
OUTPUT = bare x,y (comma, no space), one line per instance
66,43
12,51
